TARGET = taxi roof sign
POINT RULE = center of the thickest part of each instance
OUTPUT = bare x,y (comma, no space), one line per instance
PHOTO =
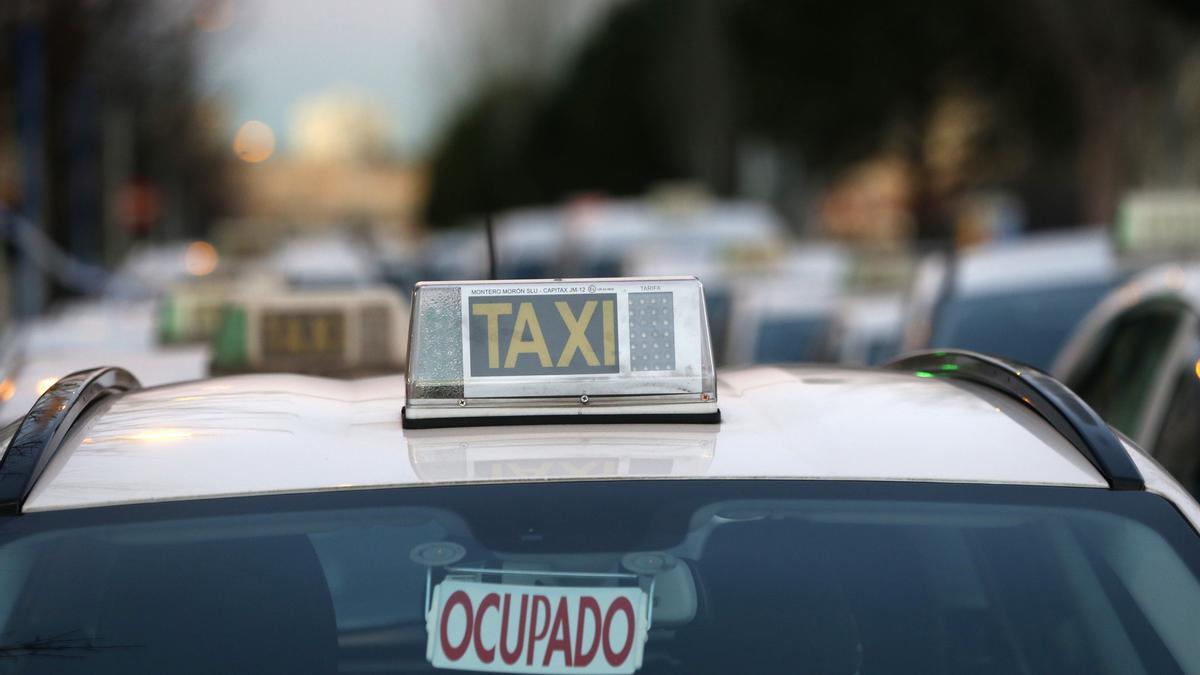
562,350
1159,222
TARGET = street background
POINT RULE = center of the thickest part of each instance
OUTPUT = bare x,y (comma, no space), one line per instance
829,169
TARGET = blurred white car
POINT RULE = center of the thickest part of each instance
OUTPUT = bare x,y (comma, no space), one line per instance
82,334
866,328
1017,299
780,321
326,262
27,379
150,269
1136,360
596,237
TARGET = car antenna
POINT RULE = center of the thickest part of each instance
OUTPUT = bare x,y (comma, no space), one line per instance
491,244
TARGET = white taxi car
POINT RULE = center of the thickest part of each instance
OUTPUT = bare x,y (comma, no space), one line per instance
552,488
1136,360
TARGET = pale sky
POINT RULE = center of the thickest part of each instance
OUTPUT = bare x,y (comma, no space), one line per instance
413,58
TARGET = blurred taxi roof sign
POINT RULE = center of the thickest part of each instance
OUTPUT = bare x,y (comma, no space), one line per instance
351,332
552,351
1159,222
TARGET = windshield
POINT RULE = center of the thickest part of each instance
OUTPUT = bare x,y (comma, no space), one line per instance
761,577
1027,326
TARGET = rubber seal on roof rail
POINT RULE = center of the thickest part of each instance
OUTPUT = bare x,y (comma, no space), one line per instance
42,430
529,420
1048,397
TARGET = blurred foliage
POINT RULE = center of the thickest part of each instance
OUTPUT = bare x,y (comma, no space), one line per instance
480,149
668,89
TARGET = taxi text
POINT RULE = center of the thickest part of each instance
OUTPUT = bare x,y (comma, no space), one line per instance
543,335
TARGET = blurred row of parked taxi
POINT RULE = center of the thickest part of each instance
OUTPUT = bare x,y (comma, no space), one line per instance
1113,311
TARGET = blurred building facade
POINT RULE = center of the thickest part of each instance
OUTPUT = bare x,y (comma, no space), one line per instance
337,168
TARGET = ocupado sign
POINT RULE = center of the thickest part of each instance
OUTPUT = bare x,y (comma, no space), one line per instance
536,629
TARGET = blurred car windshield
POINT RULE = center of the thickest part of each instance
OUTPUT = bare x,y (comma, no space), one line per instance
762,577
1029,326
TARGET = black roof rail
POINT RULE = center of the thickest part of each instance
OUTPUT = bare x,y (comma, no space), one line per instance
42,430
1048,397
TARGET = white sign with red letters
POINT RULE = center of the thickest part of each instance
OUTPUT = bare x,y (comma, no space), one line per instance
508,628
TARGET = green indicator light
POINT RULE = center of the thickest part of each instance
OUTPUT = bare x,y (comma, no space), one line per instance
949,366
939,353
923,373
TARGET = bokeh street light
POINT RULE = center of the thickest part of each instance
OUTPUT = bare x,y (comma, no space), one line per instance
254,142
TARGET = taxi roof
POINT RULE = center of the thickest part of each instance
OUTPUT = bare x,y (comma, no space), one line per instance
260,434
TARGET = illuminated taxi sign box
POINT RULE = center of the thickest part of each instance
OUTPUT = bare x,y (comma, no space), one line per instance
1159,222
482,351
359,331
191,312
